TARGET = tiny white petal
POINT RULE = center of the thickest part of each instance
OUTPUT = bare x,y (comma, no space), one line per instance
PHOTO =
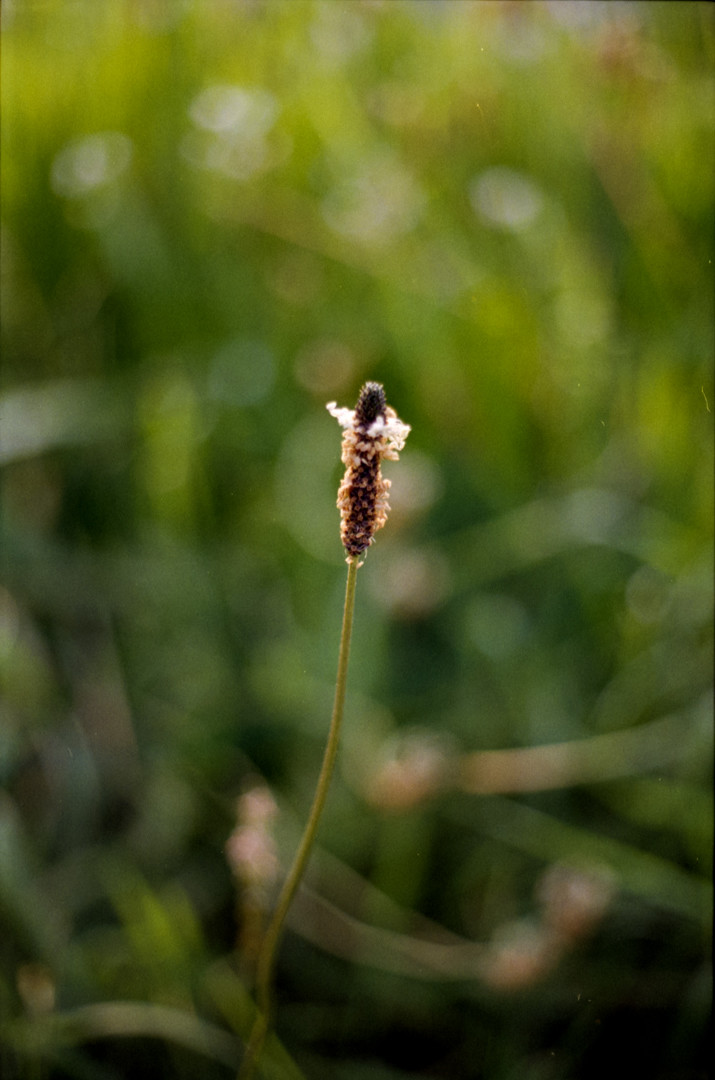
392,427
397,433
345,417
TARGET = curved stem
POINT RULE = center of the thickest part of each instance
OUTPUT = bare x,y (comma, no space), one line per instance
269,947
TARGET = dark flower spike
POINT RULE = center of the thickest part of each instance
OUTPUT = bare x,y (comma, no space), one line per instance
373,431
371,403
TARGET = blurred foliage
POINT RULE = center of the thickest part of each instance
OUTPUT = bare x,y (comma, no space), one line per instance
217,217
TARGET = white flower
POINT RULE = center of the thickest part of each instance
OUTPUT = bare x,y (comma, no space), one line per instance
345,417
392,428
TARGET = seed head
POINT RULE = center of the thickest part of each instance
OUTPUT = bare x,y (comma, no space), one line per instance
373,431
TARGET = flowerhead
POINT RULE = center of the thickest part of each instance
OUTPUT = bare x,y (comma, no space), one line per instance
373,431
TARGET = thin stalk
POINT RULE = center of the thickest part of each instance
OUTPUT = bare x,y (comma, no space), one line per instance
269,946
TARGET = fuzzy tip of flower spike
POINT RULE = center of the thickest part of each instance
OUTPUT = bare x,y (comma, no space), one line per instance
371,403
373,431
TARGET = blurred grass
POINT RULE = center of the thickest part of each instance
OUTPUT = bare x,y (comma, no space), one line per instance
217,217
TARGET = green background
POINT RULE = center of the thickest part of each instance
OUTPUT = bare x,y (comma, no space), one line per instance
217,217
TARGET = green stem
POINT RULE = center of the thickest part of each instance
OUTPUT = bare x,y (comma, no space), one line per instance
269,946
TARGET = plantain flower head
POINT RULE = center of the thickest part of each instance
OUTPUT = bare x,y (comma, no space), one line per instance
373,431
